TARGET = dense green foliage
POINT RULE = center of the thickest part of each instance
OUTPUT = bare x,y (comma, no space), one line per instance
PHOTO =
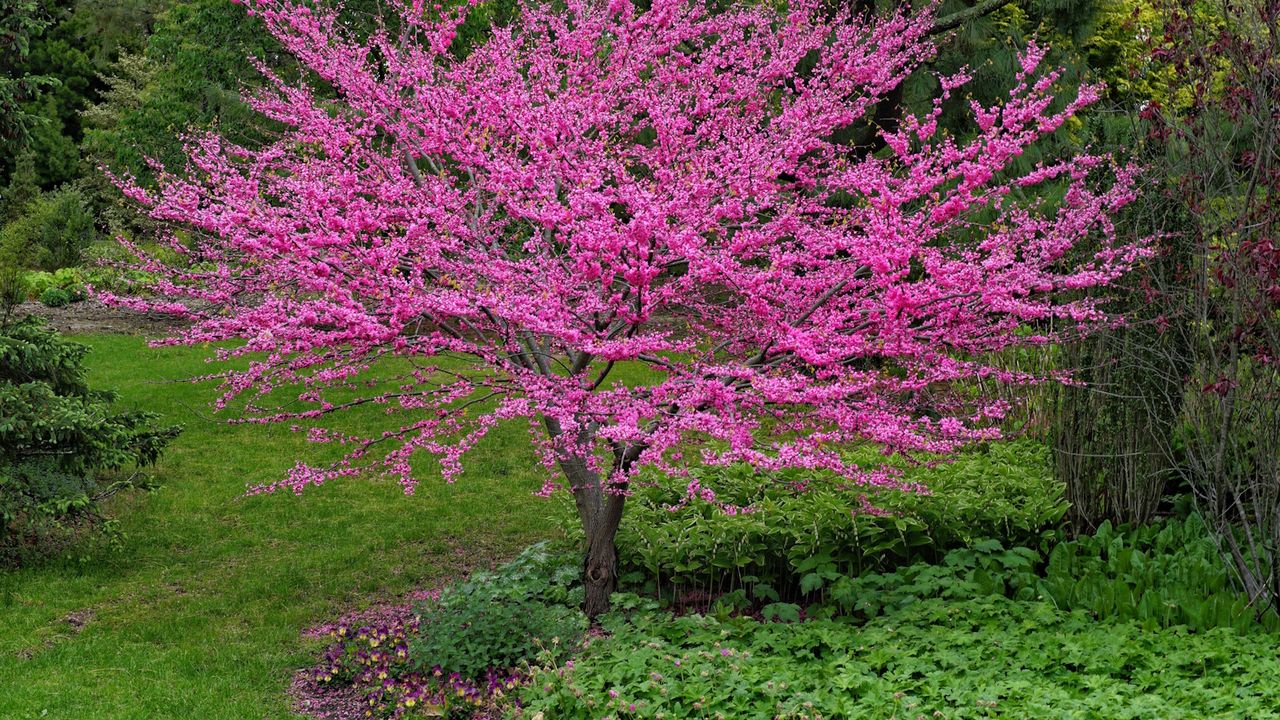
1124,623
57,227
1005,491
1121,624
69,280
55,297
982,658
61,445
504,618
1163,575
1130,623
21,22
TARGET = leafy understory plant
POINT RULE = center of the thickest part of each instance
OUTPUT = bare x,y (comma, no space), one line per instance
602,184
464,649
799,519
985,657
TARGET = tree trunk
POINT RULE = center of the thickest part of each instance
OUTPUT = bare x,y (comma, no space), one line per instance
600,511
600,567
600,573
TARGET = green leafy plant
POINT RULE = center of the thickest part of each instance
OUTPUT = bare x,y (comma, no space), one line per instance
70,281
987,657
804,528
986,569
55,297
1161,575
501,619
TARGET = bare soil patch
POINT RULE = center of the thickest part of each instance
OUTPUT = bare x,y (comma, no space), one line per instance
90,316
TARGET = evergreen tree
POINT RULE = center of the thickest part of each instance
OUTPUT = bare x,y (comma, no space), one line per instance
22,190
21,22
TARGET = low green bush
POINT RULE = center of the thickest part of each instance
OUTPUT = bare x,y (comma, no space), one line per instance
69,281
1004,491
988,657
1163,575
984,570
460,652
55,297
39,281
501,619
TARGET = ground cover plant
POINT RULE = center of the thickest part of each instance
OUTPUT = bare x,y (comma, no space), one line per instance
986,631
982,658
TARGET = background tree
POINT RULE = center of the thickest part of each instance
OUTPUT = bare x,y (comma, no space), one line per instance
20,22
1215,141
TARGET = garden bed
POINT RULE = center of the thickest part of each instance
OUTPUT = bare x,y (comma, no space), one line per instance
91,316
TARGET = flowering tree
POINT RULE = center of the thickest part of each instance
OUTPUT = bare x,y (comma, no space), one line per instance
601,185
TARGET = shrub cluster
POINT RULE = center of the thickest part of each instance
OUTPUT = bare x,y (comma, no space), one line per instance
1144,619
1162,575
57,227
461,651
58,288
1005,492
1130,622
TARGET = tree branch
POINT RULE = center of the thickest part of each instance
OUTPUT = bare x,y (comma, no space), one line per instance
973,12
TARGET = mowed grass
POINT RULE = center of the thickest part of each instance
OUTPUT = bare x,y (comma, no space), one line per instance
200,614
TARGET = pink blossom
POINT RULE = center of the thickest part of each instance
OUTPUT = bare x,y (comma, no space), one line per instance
599,185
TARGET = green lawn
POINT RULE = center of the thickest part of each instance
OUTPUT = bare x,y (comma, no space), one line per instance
199,616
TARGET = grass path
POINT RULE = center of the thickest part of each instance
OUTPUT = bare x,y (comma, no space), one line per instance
199,615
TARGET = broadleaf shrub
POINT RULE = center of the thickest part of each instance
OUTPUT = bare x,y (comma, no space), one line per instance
462,650
801,524
501,619
68,280
55,297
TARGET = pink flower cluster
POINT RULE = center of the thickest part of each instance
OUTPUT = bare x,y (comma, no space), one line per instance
600,184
